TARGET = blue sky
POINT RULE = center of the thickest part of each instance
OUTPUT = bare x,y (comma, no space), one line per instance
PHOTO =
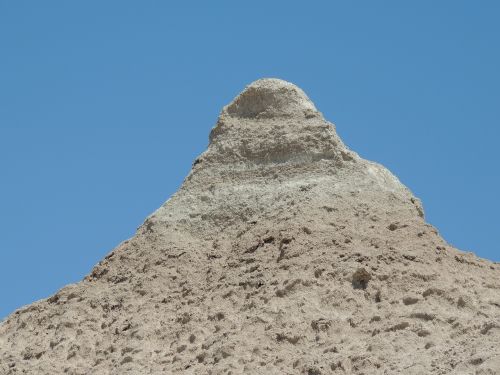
104,106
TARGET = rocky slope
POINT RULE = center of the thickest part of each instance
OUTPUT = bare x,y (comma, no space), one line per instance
283,252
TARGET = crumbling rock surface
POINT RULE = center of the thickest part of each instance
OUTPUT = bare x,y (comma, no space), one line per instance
283,252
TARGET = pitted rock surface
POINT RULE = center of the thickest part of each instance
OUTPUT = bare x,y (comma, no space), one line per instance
271,98
283,252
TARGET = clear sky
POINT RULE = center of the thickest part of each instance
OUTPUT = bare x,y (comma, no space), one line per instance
105,104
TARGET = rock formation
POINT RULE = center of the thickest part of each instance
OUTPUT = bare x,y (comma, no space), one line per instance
283,252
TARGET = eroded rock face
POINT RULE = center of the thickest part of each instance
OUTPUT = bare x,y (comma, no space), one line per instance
283,252
272,122
271,98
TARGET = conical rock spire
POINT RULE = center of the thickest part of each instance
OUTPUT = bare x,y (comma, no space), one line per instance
284,143
271,98
282,253
272,121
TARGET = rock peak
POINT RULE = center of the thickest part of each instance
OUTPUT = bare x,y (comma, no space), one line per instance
271,122
271,98
280,247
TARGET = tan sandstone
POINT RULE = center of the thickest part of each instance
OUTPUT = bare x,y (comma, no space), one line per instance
283,252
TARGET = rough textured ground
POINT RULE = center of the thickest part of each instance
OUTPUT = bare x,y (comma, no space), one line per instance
283,253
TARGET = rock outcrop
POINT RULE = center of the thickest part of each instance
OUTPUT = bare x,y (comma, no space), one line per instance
283,252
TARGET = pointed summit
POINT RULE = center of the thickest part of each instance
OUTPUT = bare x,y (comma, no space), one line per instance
283,252
271,98
272,122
